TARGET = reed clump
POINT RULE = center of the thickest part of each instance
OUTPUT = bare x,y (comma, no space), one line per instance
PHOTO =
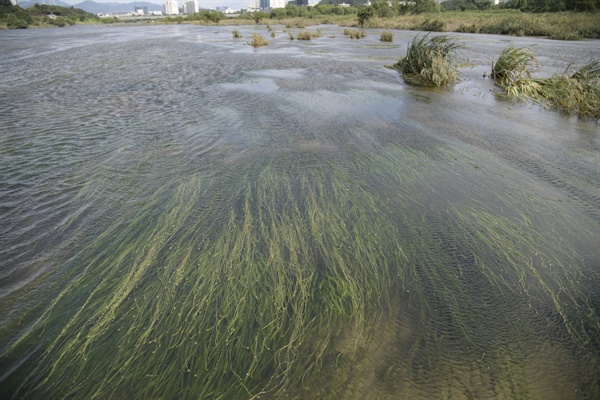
514,64
308,35
387,36
578,93
304,35
429,61
354,33
258,40
236,34
575,93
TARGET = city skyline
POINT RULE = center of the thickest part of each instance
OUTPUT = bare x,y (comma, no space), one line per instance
234,4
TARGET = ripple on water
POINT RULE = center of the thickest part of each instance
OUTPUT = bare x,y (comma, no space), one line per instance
169,133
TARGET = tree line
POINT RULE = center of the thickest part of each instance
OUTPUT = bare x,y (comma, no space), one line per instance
14,17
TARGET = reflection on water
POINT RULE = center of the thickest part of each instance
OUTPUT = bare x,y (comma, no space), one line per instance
184,216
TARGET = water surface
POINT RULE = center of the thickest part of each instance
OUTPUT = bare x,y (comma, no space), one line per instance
185,216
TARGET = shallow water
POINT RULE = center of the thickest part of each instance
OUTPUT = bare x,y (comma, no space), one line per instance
164,188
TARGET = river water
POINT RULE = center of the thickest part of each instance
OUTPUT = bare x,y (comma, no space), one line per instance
185,216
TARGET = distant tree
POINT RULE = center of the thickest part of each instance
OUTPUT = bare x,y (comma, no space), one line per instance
58,21
292,10
13,22
364,15
382,9
552,5
585,5
337,2
424,6
259,16
14,16
278,13
464,5
211,15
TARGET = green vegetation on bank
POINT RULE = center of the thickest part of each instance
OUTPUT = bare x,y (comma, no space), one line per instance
42,15
567,25
563,20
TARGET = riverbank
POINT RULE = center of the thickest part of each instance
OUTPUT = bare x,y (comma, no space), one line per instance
558,25
561,26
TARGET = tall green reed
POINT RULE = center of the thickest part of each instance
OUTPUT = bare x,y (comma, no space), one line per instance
429,61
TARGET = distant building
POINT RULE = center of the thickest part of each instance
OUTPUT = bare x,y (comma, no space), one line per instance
190,7
254,6
140,10
171,7
271,4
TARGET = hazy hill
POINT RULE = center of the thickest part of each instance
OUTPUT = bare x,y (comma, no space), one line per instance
27,4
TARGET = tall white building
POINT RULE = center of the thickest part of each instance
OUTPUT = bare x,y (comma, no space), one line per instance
271,4
171,7
278,3
190,7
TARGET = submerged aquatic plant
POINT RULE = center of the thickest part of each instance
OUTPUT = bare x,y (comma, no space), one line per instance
573,93
248,284
180,306
429,61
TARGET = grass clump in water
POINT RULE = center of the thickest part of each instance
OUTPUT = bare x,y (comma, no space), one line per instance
387,36
354,33
236,34
429,61
307,35
577,93
514,65
258,40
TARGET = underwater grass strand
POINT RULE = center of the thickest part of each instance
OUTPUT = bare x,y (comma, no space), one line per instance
299,270
259,273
